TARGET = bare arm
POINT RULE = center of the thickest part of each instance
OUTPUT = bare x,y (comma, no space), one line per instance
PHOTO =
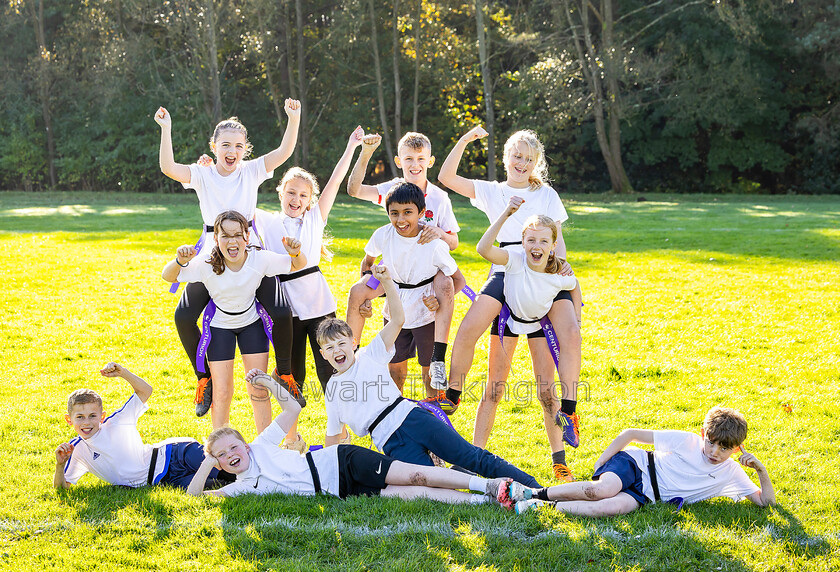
485,246
766,496
196,486
140,387
392,294
624,438
183,256
287,146
355,188
367,263
62,455
428,233
292,246
330,190
168,166
331,440
448,174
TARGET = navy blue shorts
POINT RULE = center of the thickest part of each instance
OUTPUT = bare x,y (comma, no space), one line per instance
625,468
184,460
361,471
251,339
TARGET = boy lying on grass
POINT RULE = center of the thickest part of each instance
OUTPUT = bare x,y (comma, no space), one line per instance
682,468
111,447
262,467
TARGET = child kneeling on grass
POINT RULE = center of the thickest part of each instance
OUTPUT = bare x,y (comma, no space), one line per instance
682,468
261,467
111,447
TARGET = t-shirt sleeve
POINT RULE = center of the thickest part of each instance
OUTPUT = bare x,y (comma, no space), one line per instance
377,351
384,188
193,270
129,413
195,178
664,441
256,169
515,262
234,489
74,469
556,209
374,245
483,190
738,485
446,217
443,260
275,263
271,436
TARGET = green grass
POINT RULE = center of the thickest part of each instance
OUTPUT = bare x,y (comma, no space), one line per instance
690,302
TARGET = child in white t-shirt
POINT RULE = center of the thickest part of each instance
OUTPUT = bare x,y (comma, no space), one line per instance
232,276
111,447
532,281
413,265
526,171
682,468
414,157
231,183
306,290
261,467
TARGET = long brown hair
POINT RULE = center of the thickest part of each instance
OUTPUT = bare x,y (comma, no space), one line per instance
535,222
217,260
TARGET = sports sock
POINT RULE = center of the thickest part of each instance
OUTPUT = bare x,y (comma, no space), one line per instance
439,351
453,395
559,457
541,494
478,485
567,406
479,499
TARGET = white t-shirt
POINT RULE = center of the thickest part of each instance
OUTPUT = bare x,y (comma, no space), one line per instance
438,206
309,296
236,192
234,291
276,470
116,453
530,294
492,198
357,396
410,262
683,471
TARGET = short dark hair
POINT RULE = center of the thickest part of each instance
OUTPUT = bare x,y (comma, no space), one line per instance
725,426
406,193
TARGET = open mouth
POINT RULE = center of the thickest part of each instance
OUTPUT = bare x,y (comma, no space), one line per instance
403,228
340,359
233,251
230,161
415,171
536,256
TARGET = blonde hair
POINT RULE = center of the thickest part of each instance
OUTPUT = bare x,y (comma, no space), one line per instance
218,434
309,178
414,140
725,426
231,124
331,329
83,397
535,222
536,151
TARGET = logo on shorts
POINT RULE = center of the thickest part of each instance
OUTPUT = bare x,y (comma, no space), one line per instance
379,470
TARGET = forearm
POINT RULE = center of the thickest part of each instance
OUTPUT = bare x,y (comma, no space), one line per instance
395,307
449,169
620,442
357,175
331,440
287,146
59,481
560,249
485,243
299,261
167,155
171,270
139,385
768,494
367,263
451,240
196,486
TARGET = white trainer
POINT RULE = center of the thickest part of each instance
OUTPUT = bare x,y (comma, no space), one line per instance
437,371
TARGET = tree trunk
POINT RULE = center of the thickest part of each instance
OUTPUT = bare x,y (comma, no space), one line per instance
289,69
304,104
610,50
416,64
397,88
383,116
214,103
490,120
44,80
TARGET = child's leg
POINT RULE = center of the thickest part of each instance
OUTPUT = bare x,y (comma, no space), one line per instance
259,396
607,486
425,340
546,391
442,495
577,302
360,293
475,323
399,371
193,300
270,295
622,503
445,294
498,368
222,376
565,324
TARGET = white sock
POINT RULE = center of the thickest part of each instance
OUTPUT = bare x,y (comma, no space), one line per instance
479,499
478,485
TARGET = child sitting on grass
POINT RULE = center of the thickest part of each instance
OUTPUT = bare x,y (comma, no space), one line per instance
683,467
261,467
111,447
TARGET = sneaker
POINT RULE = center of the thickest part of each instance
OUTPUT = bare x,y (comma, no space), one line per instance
499,492
437,371
445,405
298,445
562,473
203,396
571,427
519,492
522,506
287,382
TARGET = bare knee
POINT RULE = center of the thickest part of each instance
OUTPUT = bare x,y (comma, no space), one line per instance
569,333
357,293
596,491
444,286
548,396
494,391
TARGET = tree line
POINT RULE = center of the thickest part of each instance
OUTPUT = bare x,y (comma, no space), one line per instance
672,95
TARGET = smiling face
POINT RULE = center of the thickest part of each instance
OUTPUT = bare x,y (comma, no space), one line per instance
86,419
415,163
232,239
538,242
406,218
231,453
296,197
230,147
519,165
338,351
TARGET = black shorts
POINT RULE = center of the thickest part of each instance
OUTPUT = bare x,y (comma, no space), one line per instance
361,471
495,288
251,339
415,341
625,468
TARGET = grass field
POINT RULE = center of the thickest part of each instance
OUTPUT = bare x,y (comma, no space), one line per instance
689,302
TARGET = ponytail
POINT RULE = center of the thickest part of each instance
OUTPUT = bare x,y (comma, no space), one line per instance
553,265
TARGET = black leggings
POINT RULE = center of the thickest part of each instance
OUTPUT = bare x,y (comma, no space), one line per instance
269,294
301,329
